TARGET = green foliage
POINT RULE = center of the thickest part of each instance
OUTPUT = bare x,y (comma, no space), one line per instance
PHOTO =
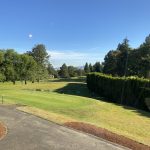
91,67
52,71
86,68
72,71
64,71
2,77
126,61
129,122
110,63
97,67
40,54
9,65
30,66
41,57
129,91
116,61
27,68
80,72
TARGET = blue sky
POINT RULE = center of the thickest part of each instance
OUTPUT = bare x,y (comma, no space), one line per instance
74,31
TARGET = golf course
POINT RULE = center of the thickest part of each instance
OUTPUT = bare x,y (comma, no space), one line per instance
69,100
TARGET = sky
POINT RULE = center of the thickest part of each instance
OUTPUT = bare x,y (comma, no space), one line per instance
73,31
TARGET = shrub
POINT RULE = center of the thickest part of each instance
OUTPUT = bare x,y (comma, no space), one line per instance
130,91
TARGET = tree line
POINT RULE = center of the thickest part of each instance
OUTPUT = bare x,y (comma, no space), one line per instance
32,65
127,61
71,71
97,67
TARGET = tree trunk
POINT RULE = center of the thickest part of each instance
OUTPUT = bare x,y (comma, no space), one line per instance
25,82
14,82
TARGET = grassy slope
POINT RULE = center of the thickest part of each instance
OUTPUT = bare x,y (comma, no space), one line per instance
129,122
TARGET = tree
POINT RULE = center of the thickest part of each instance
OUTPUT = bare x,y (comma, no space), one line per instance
86,68
116,61
27,68
10,60
72,71
80,72
97,67
110,63
133,63
139,60
91,67
52,71
122,57
144,54
64,71
2,69
41,57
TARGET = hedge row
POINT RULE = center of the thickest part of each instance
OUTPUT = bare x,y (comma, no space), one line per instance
130,91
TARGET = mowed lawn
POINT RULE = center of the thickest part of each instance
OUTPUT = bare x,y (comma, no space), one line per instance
58,101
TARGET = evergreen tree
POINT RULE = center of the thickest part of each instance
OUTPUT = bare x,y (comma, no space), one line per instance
64,71
122,57
91,67
80,72
86,68
110,63
72,71
116,62
97,67
144,61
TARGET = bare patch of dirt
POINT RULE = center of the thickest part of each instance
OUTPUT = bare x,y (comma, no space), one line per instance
2,131
105,134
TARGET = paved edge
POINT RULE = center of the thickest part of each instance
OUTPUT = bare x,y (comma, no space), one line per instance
91,135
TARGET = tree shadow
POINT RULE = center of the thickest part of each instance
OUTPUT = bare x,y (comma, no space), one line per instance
78,79
138,111
80,89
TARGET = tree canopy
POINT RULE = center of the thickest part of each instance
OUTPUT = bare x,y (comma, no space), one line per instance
126,61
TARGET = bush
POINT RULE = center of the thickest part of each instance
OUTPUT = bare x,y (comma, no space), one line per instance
130,91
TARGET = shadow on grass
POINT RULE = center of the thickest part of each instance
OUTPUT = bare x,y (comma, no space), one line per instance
80,89
136,110
139,111
79,79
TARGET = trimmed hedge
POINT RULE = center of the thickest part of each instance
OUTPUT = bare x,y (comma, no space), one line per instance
130,91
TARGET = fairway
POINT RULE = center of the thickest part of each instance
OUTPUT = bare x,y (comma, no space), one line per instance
69,100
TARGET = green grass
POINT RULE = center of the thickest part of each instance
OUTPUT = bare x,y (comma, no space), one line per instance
129,122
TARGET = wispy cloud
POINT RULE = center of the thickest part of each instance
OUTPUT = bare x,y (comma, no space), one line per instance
55,54
75,58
